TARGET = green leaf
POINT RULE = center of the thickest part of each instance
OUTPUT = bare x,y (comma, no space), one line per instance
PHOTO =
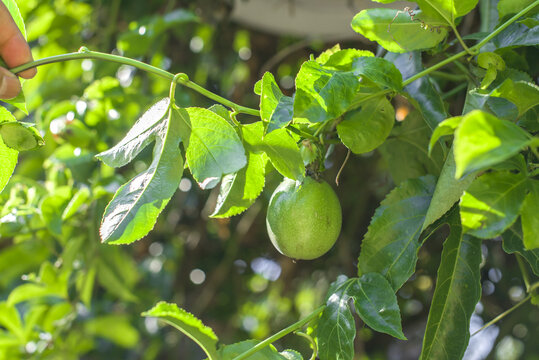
392,241
229,352
275,108
11,320
457,292
322,93
513,243
492,203
492,62
115,328
20,136
483,140
523,94
447,192
342,60
530,218
447,10
397,32
516,34
374,301
336,327
139,136
52,207
134,209
510,7
117,273
18,101
405,150
79,199
446,127
8,156
279,146
380,71
364,129
421,93
13,9
240,190
188,324
213,148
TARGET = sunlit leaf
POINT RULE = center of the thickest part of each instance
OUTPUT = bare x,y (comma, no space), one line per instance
240,190
397,32
188,324
213,148
483,140
492,203
322,93
275,108
279,146
134,209
20,136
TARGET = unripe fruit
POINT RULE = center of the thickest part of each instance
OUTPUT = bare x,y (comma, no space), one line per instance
304,218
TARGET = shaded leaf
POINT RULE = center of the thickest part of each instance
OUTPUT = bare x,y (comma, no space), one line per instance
364,129
240,190
516,34
530,218
513,243
483,140
423,95
213,148
188,324
397,32
322,93
447,192
11,320
279,146
115,328
134,209
405,150
374,301
392,240
457,292
492,203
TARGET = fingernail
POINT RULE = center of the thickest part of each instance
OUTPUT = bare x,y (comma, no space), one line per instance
9,84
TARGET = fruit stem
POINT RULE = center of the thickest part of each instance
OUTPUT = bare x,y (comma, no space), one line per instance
281,334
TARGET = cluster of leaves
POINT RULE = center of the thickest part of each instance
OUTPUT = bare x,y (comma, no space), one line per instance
481,183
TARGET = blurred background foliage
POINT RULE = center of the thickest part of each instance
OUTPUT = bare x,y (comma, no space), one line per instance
63,295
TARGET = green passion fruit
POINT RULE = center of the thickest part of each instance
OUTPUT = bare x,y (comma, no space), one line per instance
304,218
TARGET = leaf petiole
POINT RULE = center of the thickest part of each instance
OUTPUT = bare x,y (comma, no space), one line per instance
281,334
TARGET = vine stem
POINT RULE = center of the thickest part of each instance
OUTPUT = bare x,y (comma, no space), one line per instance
473,48
504,314
84,53
281,334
